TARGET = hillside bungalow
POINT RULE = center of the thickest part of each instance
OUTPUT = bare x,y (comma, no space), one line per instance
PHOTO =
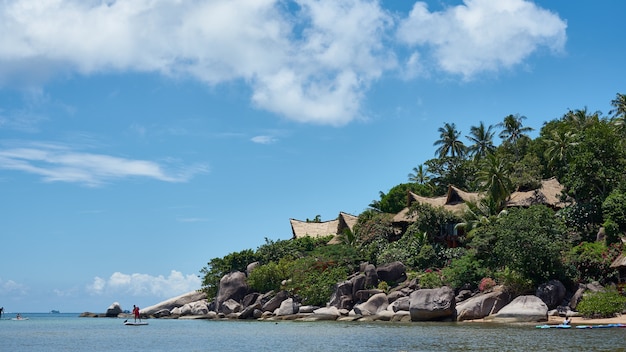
549,194
319,229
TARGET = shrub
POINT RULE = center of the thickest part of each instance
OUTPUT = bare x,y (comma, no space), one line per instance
430,279
486,284
383,286
513,281
592,261
268,277
601,304
313,280
466,270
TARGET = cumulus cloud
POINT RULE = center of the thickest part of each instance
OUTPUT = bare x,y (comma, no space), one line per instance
482,35
13,288
145,285
323,56
311,61
55,163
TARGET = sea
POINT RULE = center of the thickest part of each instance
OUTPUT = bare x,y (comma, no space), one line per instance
69,332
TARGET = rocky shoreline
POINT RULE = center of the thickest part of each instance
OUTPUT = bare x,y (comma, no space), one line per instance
352,301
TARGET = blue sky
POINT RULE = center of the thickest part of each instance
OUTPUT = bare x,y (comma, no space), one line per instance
140,139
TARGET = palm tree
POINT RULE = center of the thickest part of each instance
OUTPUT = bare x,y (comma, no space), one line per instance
580,119
618,114
482,139
513,130
559,146
419,175
494,177
449,142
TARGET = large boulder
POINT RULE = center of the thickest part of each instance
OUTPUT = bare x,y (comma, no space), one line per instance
358,283
432,304
199,308
274,302
175,302
392,273
402,303
371,277
342,295
522,309
551,293
483,304
113,310
287,307
232,286
230,306
374,305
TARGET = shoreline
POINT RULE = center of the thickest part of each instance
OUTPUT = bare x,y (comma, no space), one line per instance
621,319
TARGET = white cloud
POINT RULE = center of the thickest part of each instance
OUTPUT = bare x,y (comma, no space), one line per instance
312,66
263,139
145,285
58,163
482,35
13,288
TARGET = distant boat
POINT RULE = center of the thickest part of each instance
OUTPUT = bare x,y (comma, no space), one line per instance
54,311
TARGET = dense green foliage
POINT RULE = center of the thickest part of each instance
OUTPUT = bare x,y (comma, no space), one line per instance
603,304
516,247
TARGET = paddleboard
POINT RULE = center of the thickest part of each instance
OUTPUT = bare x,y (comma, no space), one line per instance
560,326
18,319
135,324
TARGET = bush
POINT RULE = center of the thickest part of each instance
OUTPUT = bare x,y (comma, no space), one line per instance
486,284
466,270
513,281
268,277
602,304
430,279
313,280
592,261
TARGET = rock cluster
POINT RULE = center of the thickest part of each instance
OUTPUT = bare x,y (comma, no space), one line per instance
357,299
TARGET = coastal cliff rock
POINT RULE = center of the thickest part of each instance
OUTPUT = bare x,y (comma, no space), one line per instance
432,304
522,309
551,293
232,286
175,302
374,305
483,304
392,273
114,310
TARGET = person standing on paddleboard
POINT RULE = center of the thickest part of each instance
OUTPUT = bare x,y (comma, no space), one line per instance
136,313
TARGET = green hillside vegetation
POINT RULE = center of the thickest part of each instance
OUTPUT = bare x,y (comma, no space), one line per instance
518,247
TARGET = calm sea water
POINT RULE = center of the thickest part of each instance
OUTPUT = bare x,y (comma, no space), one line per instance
68,332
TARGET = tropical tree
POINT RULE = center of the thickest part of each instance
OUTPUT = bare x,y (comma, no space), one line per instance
559,146
618,113
580,119
493,176
449,142
513,130
419,175
482,141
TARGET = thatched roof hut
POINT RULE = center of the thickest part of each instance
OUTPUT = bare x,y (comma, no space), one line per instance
549,193
320,229
453,201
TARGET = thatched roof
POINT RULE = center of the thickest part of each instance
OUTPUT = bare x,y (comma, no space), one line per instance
620,261
320,229
453,201
548,194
